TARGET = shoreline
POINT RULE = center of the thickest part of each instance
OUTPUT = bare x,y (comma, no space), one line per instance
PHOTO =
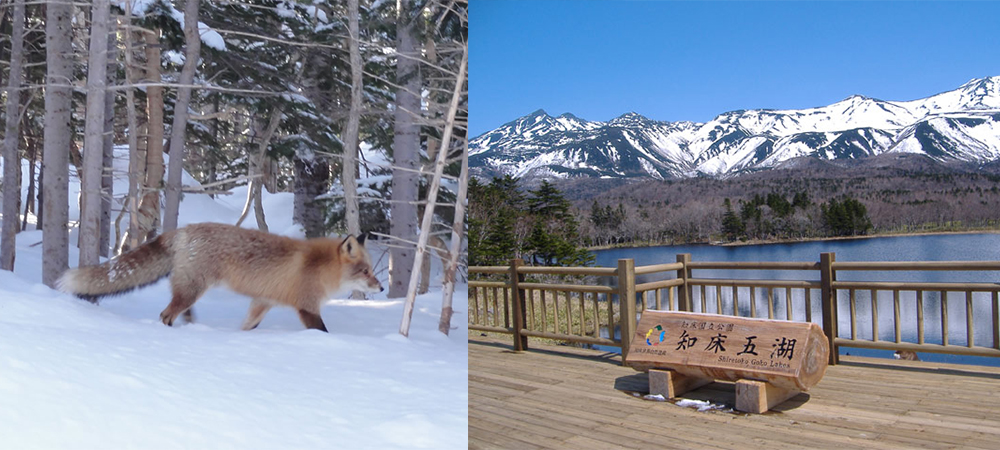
798,240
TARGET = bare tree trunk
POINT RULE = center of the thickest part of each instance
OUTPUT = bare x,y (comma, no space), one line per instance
209,158
439,247
351,139
93,153
58,100
425,225
312,178
136,164
107,163
406,154
350,169
192,51
149,207
457,231
256,171
11,160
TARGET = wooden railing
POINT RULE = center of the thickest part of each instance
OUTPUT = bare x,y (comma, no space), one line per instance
582,304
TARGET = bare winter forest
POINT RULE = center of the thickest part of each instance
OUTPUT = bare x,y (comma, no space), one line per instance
897,193
358,107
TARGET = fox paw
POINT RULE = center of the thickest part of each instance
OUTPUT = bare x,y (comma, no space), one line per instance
166,318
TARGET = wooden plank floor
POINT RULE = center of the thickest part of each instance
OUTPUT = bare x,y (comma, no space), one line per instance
564,397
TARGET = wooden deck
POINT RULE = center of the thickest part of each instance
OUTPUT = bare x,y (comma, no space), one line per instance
565,397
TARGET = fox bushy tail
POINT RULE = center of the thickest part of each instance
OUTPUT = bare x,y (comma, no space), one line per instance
144,265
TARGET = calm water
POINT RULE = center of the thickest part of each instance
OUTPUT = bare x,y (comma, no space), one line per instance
963,247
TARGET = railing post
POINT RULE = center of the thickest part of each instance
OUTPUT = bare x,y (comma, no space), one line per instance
827,277
684,290
520,312
626,303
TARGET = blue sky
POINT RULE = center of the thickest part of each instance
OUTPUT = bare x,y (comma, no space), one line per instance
694,60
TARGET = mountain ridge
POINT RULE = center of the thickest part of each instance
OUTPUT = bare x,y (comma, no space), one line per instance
960,125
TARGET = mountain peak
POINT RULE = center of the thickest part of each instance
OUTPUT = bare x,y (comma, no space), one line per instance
982,86
630,117
986,81
539,113
856,98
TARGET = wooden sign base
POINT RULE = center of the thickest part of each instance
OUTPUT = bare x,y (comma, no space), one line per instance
673,384
752,396
757,397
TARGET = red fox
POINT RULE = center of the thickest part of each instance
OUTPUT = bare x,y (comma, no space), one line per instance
268,268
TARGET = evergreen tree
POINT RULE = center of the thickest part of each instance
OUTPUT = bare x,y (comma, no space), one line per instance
498,211
732,226
846,217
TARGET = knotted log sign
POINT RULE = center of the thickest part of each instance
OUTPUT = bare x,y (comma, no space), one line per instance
770,360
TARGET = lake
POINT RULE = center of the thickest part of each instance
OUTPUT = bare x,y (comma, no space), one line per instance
944,247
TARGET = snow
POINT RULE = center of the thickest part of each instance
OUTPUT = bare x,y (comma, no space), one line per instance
700,405
209,37
81,376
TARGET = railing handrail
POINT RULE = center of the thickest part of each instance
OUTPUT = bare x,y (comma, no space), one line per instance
589,308
752,265
969,266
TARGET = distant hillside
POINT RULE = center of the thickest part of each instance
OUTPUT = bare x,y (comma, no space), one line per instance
902,193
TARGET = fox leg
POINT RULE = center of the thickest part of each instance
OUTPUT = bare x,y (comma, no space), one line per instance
257,310
186,290
312,320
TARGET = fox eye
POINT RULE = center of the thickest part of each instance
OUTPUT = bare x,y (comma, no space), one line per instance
365,271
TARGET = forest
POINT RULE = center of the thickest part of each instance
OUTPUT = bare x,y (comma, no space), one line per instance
813,199
809,199
357,107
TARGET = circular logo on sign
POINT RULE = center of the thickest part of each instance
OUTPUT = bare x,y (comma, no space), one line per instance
652,333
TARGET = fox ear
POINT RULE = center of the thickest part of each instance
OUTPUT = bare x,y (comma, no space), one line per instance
361,239
349,246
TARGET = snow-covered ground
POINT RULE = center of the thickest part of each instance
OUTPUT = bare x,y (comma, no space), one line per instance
79,376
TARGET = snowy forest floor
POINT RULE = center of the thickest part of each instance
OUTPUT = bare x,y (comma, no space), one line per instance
82,376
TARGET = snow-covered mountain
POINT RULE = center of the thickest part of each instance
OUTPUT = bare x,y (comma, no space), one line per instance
958,125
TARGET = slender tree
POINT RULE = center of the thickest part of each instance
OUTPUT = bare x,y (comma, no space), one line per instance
149,206
457,228
11,161
107,179
405,149
192,42
58,133
93,151
350,168
136,163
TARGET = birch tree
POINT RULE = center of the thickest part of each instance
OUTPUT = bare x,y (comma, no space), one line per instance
58,101
137,163
457,232
149,206
192,51
11,161
93,151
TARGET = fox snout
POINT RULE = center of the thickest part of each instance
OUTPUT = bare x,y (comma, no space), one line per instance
375,285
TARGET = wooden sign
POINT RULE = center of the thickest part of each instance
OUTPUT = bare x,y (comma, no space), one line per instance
789,355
